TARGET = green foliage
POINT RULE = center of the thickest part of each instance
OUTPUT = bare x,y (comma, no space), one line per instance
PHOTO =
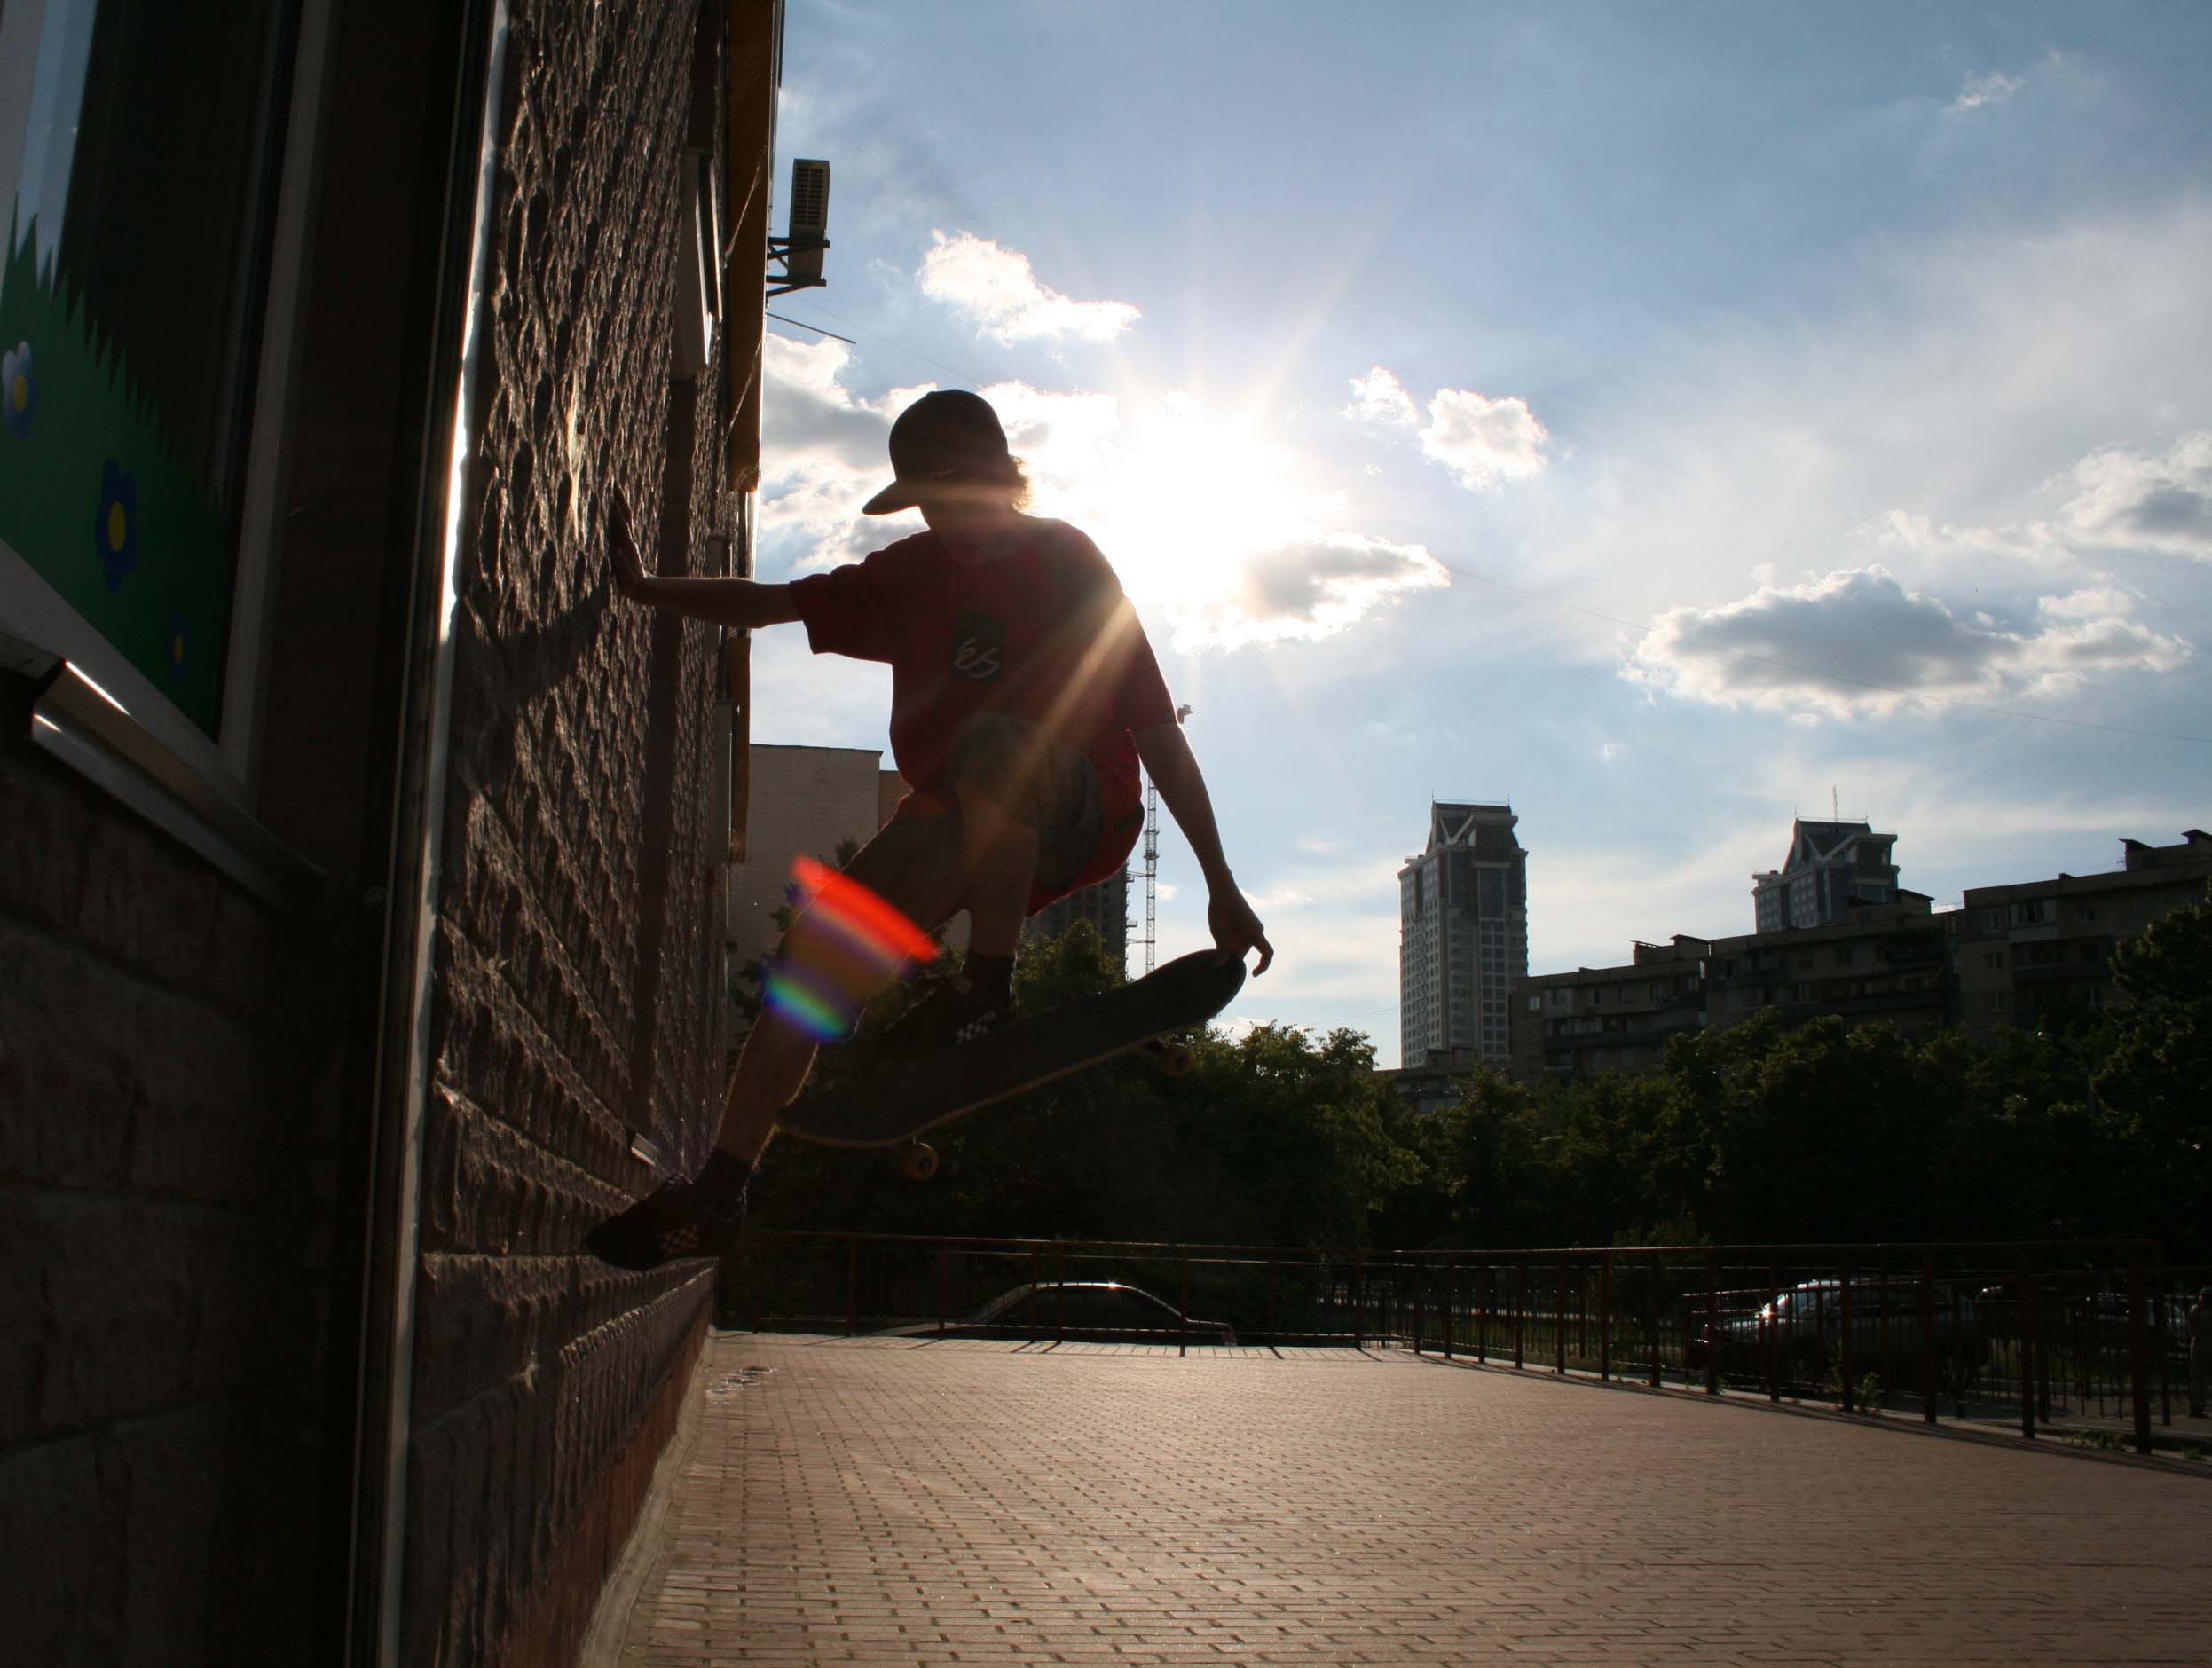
1749,1133
1269,1138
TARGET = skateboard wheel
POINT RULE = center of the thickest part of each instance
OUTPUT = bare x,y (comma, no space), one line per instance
918,1159
1174,1059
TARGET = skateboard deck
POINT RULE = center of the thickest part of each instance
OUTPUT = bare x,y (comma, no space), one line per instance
1025,1053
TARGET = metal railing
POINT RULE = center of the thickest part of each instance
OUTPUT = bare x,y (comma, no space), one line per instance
2037,1333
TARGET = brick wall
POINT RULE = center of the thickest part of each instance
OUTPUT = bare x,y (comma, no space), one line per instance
164,1199
574,998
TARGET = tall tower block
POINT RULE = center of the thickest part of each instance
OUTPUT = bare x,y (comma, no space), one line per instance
1463,933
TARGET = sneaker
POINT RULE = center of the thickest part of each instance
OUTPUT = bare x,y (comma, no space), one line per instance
671,1221
953,1015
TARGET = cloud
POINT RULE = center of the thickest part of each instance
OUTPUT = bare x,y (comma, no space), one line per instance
2148,503
1815,648
823,450
1485,442
994,287
1380,398
1923,536
1227,570
1988,88
1612,751
1307,590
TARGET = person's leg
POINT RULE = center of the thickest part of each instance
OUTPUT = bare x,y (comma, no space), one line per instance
1029,821
832,969
1029,810
913,867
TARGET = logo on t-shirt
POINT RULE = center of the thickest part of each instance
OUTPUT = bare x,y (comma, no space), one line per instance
978,646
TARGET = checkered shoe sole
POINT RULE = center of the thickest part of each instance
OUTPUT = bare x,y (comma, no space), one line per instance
981,1025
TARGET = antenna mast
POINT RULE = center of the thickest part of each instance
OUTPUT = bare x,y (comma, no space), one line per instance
1152,859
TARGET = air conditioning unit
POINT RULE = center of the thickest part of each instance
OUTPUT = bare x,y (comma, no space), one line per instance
809,219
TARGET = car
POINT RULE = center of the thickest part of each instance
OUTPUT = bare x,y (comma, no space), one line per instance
1076,1312
1800,1330
2099,1320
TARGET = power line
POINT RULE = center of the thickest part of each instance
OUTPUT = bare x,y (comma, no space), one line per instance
803,325
1832,677
967,376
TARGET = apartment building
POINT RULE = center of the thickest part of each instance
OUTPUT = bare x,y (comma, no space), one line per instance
1610,1018
1432,1083
1887,963
1105,906
2016,955
1463,921
2039,951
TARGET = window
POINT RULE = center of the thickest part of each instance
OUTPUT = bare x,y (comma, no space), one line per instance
139,151
2032,912
2085,912
2000,1001
1994,960
1844,955
1597,996
1535,1003
1993,920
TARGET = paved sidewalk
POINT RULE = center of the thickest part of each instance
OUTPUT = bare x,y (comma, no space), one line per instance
967,1502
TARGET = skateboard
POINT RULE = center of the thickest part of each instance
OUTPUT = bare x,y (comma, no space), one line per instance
1024,1053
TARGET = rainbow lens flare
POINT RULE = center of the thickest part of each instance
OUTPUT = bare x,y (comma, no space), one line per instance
853,943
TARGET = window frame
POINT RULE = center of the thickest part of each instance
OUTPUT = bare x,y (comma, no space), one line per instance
101,716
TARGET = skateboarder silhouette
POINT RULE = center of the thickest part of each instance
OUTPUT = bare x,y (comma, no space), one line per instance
1024,697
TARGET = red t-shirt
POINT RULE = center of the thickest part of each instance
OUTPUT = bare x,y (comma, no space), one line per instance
1043,633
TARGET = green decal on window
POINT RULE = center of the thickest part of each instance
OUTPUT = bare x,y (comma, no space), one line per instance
94,495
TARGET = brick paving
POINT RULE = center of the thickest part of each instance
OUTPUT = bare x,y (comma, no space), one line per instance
894,1503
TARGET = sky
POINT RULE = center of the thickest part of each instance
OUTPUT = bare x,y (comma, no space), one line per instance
1670,419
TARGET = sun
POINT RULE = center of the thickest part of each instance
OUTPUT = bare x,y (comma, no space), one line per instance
1179,499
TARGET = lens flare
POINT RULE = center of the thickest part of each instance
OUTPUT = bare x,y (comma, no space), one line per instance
852,942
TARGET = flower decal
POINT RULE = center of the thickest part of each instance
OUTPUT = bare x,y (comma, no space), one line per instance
179,647
19,390
115,529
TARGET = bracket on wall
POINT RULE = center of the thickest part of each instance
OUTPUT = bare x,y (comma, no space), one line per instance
781,250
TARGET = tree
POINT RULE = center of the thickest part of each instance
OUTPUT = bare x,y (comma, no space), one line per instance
2154,1085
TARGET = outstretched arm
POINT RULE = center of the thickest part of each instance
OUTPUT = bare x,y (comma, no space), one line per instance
737,603
1168,757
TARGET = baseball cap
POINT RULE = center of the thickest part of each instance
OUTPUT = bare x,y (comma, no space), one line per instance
947,436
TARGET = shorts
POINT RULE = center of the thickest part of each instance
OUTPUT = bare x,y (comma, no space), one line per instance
914,862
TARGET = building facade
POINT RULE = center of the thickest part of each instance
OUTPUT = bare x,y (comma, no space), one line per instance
1609,1018
1463,926
358,848
2038,953
800,802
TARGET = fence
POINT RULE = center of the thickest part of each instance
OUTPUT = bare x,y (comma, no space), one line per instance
2032,1332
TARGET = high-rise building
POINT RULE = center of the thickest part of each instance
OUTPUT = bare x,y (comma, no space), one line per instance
1105,906
1831,866
1463,935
